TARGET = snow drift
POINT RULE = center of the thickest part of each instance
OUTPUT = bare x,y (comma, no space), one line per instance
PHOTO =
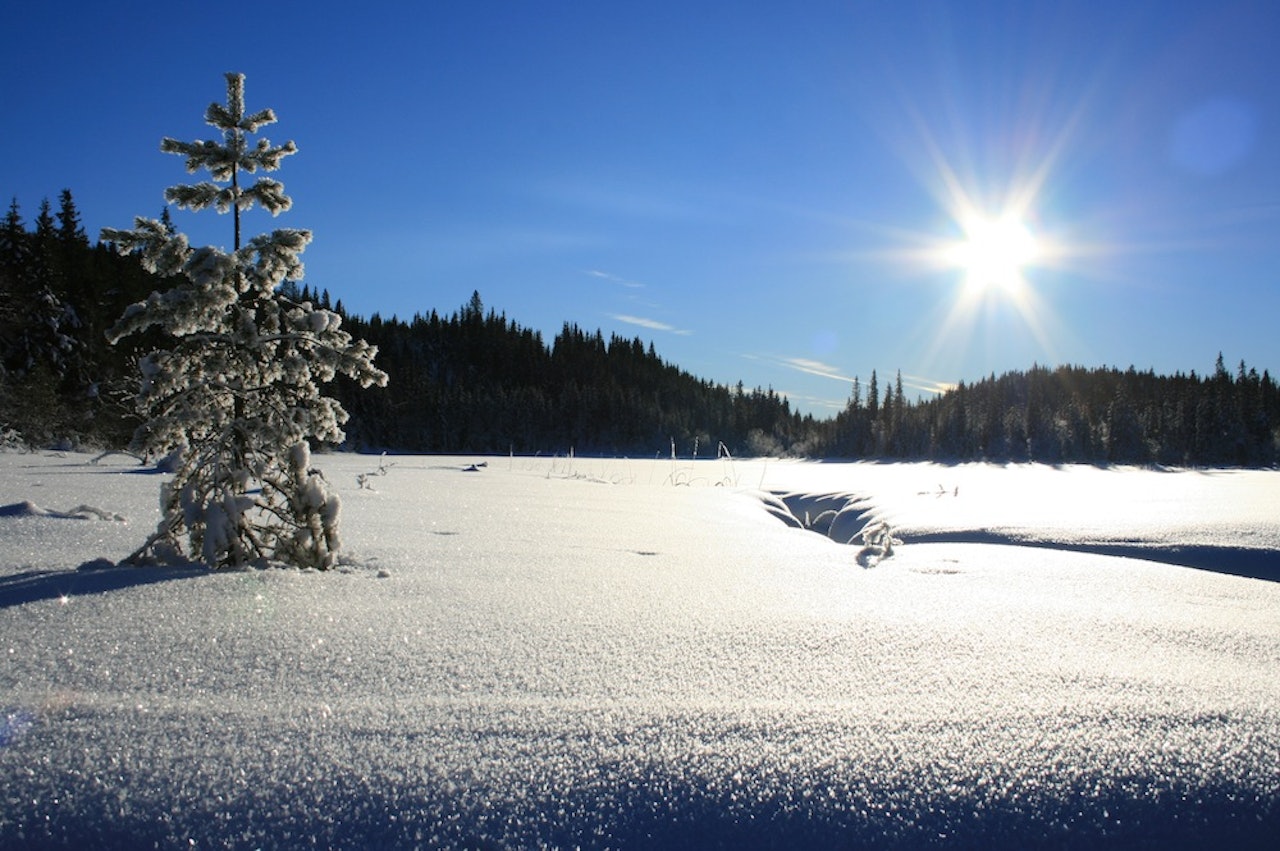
580,653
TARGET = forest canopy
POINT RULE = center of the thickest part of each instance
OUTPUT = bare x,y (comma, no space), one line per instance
475,381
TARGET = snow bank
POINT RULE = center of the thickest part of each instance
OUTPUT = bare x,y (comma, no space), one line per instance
27,508
585,653
1220,520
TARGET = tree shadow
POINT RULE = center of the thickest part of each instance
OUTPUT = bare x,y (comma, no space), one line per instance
1248,562
94,577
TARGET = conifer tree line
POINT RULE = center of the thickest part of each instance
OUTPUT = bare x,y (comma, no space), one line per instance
60,380
475,381
1073,414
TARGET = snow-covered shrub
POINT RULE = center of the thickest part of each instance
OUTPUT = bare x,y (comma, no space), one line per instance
877,543
10,439
763,445
363,479
730,477
236,394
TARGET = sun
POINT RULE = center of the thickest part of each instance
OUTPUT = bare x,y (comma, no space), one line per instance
994,253
998,253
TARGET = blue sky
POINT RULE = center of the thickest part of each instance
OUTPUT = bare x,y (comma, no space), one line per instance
767,191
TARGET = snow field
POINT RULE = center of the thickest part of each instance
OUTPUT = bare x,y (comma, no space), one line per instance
573,653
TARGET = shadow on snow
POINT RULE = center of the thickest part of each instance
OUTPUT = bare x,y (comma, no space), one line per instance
1248,562
842,517
94,577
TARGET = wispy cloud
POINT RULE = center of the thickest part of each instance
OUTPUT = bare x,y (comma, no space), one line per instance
927,385
608,197
815,367
815,403
612,278
809,366
805,365
651,324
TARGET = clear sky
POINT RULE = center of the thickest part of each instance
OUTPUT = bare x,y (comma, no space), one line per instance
784,193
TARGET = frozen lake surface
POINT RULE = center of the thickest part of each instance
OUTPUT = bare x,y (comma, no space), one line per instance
621,653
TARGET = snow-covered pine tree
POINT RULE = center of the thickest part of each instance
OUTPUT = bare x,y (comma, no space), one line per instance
236,394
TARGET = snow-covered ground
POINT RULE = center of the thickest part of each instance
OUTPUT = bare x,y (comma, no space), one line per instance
605,653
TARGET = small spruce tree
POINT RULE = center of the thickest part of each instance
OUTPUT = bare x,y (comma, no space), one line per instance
235,397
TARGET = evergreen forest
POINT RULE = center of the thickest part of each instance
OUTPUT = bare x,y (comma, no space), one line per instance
475,381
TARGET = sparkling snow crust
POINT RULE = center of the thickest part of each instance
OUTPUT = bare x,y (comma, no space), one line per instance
612,653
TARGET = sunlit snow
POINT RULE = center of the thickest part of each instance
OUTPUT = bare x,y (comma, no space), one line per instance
652,653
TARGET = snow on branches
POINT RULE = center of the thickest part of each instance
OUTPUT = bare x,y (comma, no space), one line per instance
237,392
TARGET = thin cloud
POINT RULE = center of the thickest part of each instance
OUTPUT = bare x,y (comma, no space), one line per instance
603,196
651,324
809,366
815,401
612,278
813,367
928,385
